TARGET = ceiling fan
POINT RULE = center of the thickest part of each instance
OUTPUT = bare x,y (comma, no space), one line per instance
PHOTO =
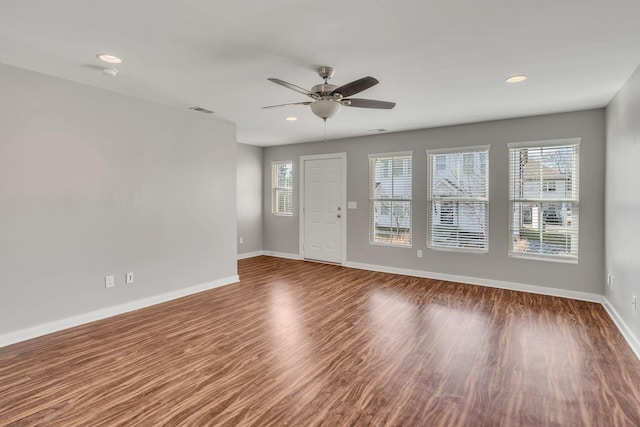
329,99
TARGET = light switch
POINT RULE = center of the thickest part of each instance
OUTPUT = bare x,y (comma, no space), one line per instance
352,205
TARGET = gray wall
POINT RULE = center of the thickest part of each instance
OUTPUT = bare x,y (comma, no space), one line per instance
249,179
95,183
623,202
281,233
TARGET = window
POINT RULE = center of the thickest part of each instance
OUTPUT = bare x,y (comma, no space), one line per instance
446,213
390,198
469,162
282,188
549,186
543,198
401,166
458,199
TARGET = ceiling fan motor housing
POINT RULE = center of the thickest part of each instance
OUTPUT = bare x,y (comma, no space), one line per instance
323,89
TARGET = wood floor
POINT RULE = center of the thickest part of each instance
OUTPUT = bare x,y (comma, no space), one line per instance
304,344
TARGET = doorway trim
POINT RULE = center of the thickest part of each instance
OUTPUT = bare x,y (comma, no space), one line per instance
343,201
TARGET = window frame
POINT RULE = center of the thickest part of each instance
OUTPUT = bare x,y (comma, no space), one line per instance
453,201
572,185
405,159
277,187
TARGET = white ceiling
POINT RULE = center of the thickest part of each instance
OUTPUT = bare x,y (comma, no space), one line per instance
443,62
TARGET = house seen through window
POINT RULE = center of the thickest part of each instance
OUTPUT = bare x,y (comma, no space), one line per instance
458,199
390,195
543,198
282,187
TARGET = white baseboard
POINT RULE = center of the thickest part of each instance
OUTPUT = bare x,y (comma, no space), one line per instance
626,332
582,296
58,325
69,322
270,253
282,255
250,254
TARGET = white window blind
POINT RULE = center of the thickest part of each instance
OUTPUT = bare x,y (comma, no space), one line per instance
282,188
458,199
543,197
390,194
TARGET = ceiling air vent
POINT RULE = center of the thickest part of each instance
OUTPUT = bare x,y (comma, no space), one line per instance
202,110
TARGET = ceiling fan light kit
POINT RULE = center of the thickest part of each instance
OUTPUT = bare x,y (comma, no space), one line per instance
326,109
329,99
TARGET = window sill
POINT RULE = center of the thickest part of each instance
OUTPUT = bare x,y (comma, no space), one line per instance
391,245
562,260
459,250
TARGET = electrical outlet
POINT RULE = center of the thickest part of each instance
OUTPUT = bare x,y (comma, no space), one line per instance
610,280
419,253
241,240
129,278
109,282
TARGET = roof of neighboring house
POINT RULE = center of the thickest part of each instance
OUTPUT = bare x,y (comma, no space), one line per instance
531,171
445,187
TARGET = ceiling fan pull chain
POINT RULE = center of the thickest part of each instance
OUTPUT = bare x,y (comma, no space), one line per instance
325,130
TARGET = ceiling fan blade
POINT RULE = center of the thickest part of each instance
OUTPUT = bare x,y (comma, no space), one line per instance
291,86
368,103
356,86
289,105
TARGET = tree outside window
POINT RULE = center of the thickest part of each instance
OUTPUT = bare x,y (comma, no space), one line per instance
390,194
282,188
544,199
457,199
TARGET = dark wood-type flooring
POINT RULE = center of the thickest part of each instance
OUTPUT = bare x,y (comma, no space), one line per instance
305,344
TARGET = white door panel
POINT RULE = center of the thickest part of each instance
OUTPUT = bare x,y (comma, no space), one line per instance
322,209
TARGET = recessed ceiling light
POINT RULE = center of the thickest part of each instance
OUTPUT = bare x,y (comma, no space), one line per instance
291,119
516,79
111,59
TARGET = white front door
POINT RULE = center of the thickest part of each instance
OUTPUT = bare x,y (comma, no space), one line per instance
323,211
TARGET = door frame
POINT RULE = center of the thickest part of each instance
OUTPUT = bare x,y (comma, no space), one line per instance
343,200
